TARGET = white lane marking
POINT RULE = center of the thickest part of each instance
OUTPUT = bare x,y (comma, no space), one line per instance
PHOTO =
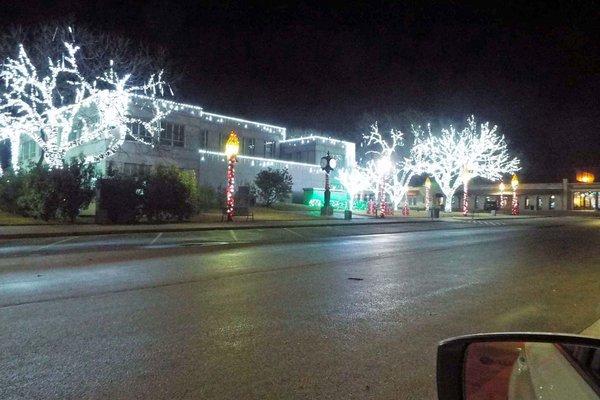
55,243
156,238
295,233
233,235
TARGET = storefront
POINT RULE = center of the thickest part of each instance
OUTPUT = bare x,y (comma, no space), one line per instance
585,200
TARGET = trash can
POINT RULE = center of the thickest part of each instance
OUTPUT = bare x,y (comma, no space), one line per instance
347,214
434,213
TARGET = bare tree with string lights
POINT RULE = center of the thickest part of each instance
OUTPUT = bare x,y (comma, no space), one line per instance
453,157
59,109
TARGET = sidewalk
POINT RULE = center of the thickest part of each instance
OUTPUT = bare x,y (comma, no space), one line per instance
38,231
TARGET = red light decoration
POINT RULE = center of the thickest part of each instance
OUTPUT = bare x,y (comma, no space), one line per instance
232,148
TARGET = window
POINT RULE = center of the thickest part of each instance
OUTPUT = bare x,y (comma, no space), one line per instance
251,143
222,139
28,149
298,156
178,136
538,203
171,134
552,202
137,131
204,139
133,169
527,202
76,131
269,149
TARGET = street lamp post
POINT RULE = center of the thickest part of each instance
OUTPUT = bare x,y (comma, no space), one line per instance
328,164
232,148
514,183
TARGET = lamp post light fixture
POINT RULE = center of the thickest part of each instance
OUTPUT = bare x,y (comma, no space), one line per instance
328,164
514,183
427,193
232,148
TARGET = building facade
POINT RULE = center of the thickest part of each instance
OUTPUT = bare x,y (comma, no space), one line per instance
194,139
531,197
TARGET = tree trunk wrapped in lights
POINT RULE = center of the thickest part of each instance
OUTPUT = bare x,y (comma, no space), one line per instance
388,170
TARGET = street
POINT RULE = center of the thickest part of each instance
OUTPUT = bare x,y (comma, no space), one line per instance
315,312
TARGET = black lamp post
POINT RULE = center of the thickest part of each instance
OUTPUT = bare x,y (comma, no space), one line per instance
328,164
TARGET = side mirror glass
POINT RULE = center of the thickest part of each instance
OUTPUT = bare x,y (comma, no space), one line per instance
521,367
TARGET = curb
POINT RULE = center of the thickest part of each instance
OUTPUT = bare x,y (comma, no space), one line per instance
158,229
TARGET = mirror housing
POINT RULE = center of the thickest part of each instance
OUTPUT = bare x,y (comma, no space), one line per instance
452,356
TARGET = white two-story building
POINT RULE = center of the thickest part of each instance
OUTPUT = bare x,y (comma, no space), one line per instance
194,139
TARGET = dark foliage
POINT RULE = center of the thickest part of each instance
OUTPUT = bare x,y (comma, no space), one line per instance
273,185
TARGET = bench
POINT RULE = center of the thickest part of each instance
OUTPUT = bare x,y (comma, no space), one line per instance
238,212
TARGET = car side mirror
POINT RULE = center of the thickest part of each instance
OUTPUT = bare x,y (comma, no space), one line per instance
519,366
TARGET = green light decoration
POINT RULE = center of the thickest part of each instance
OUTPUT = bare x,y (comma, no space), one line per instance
315,197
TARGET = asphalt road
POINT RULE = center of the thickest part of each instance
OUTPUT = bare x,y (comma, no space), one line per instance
345,312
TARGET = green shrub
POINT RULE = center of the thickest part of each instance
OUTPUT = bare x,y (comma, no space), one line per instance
120,197
167,195
207,198
49,193
273,185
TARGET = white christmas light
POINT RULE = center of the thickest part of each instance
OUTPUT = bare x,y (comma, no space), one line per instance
454,157
388,168
354,180
50,108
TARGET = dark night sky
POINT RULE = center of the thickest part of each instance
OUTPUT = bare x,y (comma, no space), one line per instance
532,68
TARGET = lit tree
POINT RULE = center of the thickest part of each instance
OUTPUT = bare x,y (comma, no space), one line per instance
389,167
61,109
454,157
354,180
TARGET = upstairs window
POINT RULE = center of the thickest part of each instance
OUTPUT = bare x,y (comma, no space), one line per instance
269,149
137,131
204,139
251,146
171,134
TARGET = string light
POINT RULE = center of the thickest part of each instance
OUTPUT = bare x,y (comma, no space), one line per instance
477,148
232,148
354,180
49,108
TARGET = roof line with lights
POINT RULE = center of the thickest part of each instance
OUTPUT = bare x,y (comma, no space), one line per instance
218,117
274,160
315,137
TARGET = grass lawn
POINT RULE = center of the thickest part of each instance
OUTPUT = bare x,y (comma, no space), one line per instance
278,212
13,219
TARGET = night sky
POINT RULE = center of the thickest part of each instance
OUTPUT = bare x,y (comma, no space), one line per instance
532,68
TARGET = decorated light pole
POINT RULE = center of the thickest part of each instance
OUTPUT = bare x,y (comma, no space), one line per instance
232,148
328,164
502,188
514,183
427,194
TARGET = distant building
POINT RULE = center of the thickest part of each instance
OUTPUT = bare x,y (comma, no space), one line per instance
194,139
532,197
